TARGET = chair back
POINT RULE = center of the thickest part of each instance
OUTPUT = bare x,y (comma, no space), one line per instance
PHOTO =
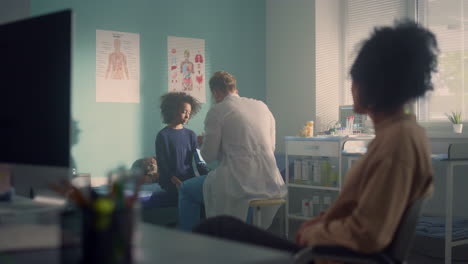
400,246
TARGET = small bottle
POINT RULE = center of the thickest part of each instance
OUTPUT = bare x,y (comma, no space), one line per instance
305,207
305,171
325,171
312,208
310,170
326,201
316,205
297,171
310,126
317,173
334,176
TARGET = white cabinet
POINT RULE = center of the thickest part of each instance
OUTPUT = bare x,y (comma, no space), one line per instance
316,177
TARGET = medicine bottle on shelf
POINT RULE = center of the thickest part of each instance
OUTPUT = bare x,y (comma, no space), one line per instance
305,172
326,201
297,171
325,169
333,182
317,177
317,208
310,129
305,203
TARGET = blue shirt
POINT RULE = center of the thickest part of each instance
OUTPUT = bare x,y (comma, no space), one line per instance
175,151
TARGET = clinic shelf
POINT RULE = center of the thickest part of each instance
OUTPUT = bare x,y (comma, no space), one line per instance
331,148
315,148
315,187
299,217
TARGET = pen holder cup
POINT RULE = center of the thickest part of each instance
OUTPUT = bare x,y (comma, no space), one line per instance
87,237
107,238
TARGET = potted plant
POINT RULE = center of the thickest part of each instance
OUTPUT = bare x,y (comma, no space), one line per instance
455,118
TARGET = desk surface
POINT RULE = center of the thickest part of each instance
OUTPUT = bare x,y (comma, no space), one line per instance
155,244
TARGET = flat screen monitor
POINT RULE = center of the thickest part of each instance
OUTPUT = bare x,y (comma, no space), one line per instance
35,80
35,90
348,110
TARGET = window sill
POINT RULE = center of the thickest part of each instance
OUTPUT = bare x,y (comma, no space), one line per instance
439,130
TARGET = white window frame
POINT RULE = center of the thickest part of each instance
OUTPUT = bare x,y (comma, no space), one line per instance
437,128
344,73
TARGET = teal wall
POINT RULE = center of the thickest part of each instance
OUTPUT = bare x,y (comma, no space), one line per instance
115,134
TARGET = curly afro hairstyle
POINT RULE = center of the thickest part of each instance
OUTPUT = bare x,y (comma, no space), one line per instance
171,103
394,66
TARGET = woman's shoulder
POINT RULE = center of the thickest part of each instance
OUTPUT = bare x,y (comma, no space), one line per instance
401,141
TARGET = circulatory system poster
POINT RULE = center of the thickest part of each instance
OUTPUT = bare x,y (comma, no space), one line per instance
117,67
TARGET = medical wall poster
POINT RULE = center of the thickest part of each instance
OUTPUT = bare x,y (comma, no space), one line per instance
117,67
186,66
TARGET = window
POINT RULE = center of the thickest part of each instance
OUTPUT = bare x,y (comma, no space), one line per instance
361,16
340,26
448,20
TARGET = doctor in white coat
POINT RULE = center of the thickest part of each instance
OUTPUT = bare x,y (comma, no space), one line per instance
240,135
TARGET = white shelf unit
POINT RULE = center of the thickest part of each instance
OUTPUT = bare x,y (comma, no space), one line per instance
317,147
325,188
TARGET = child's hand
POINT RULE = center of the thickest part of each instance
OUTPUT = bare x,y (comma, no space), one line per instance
176,181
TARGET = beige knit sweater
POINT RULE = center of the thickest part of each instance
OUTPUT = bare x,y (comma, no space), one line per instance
395,171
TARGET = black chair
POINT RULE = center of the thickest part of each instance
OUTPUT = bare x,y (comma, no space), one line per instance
395,253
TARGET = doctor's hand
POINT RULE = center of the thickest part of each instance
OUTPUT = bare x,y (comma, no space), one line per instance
200,139
176,181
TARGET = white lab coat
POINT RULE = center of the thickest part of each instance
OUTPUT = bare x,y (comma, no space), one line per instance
240,135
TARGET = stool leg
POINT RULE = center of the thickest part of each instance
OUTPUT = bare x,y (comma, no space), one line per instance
258,215
282,224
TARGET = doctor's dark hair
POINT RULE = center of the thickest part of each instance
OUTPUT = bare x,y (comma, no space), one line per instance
223,81
171,103
394,66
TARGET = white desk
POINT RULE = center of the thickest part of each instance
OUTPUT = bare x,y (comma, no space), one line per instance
155,244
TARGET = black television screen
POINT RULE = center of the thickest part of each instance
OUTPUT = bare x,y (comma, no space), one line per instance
35,90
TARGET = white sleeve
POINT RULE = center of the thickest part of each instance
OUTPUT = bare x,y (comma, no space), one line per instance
273,131
212,141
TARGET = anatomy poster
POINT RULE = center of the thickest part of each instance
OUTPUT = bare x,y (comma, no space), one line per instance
186,66
117,67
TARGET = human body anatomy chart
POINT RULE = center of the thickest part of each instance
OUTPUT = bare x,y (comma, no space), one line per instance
117,67
186,66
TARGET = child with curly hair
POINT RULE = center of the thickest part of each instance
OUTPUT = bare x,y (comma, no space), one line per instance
176,146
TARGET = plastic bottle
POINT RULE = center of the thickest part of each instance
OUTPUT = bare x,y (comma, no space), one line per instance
312,209
310,128
326,201
305,171
333,176
316,205
305,207
317,173
297,171
325,171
